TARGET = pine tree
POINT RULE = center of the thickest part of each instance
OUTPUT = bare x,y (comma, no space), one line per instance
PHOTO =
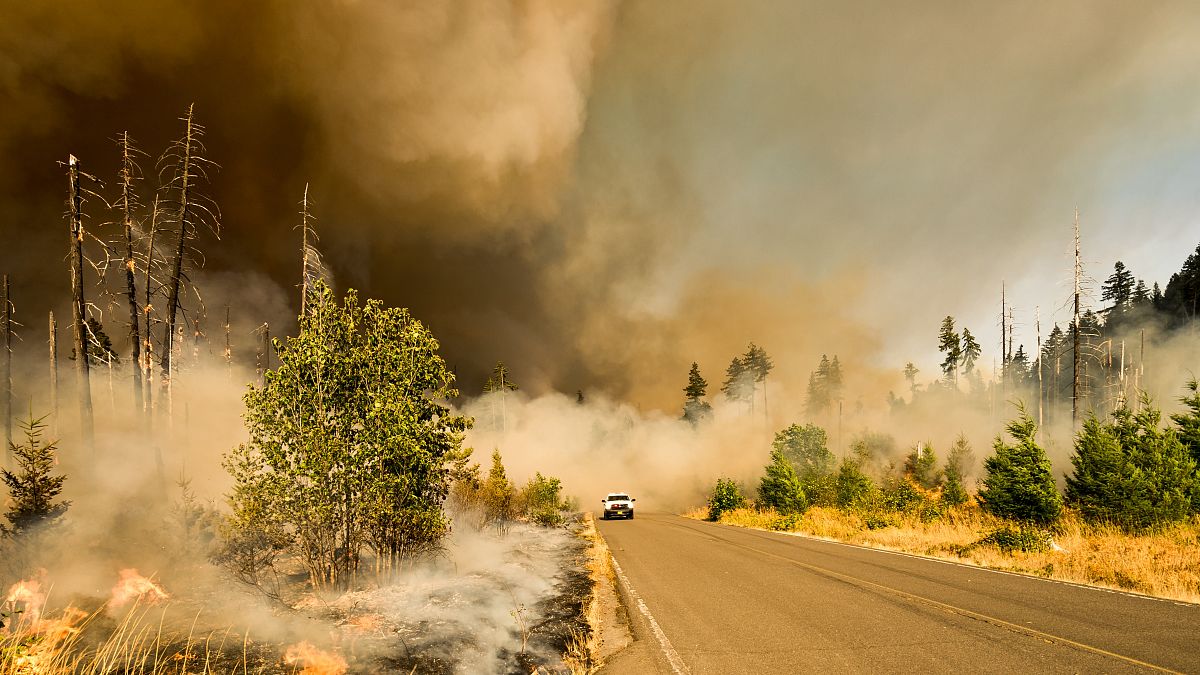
1141,294
820,395
950,344
780,488
739,381
922,467
970,351
695,408
1018,483
910,375
1131,472
1119,287
1181,298
852,486
32,488
958,464
500,380
1188,422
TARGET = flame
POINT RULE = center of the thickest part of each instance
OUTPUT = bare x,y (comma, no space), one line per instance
135,586
28,593
50,638
315,661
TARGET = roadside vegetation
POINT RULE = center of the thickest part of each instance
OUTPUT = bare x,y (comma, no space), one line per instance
1129,517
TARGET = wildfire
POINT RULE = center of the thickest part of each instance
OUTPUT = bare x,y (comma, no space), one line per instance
314,661
134,586
29,594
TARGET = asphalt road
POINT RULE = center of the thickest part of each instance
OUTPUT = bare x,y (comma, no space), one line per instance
707,598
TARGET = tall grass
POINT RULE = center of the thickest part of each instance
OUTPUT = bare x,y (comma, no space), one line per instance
1165,563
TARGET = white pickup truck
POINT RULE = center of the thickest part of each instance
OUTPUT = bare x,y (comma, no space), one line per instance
617,505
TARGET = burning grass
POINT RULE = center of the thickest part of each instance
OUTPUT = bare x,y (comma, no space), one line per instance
1163,564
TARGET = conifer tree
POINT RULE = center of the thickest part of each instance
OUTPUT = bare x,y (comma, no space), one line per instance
33,488
695,408
950,344
970,351
1188,421
739,381
1018,483
780,488
910,375
921,466
1119,287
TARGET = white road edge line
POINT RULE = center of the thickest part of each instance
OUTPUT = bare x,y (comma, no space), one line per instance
673,657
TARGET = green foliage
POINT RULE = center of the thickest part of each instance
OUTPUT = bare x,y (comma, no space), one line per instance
960,459
789,522
726,496
853,487
970,351
1131,472
500,380
1019,483
901,495
780,488
349,441
806,447
498,494
543,501
1188,422
33,488
824,386
739,381
1118,287
921,466
1022,538
695,408
950,344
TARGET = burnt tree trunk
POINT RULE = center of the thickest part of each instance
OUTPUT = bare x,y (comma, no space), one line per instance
183,218
79,308
135,338
6,403
147,308
54,372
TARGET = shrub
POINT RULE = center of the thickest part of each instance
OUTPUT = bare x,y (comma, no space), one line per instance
806,447
1019,484
901,494
780,488
1023,538
543,500
852,486
787,523
921,467
725,497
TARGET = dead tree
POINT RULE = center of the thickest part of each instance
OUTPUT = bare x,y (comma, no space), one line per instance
6,327
148,308
1077,364
309,258
53,372
128,203
79,305
228,347
186,156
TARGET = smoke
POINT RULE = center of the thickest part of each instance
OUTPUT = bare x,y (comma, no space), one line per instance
570,188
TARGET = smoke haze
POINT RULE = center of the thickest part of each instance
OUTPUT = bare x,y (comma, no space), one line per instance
600,193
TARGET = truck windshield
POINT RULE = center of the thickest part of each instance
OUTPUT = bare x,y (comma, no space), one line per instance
618,498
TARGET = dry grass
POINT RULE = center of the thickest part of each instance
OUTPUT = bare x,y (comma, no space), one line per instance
583,651
1164,564
137,645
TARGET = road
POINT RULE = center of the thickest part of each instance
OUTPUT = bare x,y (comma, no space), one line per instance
707,598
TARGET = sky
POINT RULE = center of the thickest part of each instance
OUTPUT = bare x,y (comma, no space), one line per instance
599,192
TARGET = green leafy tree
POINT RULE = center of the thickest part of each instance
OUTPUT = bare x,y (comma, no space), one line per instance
695,408
959,462
1131,472
780,488
543,500
950,344
921,466
33,487
350,437
726,496
807,448
1018,483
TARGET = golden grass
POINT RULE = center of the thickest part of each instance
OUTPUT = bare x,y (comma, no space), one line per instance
583,650
138,645
1164,564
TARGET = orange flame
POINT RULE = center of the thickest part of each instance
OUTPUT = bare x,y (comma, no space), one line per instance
28,593
314,661
135,586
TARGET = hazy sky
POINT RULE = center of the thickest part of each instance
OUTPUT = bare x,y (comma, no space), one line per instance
600,193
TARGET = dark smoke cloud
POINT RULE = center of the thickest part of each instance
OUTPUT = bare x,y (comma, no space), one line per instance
599,193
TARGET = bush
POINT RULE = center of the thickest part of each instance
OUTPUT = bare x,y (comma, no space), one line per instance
1019,484
901,495
543,500
806,447
852,486
921,467
821,490
787,523
780,488
725,497
1023,538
